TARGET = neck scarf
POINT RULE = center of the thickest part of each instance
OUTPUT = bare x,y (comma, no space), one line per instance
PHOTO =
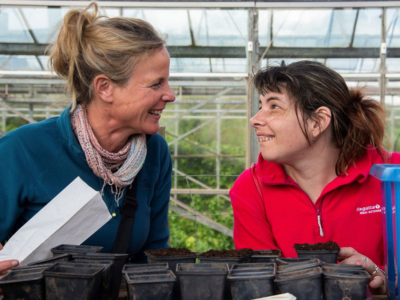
116,169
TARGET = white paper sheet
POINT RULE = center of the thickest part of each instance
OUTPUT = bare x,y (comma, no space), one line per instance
71,217
285,296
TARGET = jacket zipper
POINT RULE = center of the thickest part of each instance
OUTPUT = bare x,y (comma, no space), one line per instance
321,231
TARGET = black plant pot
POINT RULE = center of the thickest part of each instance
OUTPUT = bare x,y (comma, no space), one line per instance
304,284
297,266
327,256
106,277
65,281
115,274
202,281
151,285
249,283
144,268
349,285
23,285
225,260
339,268
52,260
290,260
75,249
171,260
262,256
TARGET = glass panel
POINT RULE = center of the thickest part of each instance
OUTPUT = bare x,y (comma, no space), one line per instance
198,65
12,27
221,65
393,28
219,27
264,27
340,28
20,62
368,31
177,31
44,21
301,28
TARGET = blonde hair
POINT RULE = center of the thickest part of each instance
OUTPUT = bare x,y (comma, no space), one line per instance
89,44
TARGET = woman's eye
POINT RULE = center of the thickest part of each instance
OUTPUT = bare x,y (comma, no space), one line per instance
274,106
157,85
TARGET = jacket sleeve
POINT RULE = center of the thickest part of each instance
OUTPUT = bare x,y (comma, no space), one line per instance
251,227
14,183
159,231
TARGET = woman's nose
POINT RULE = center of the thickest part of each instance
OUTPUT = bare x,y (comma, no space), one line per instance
257,120
169,95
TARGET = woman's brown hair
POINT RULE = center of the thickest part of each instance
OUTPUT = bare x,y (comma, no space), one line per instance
89,44
357,121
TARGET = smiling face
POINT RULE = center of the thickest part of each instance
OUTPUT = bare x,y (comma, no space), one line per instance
278,130
137,105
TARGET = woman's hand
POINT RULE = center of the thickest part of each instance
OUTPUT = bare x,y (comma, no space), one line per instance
6,265
349,256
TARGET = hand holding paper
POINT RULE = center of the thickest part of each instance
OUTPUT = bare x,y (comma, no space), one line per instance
71,217
7,264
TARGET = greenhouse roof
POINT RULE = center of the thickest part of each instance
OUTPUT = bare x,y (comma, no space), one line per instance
345,34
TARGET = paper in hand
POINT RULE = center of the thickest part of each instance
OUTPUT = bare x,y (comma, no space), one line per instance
71,217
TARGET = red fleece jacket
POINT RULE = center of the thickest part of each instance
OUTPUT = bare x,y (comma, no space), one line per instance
349,207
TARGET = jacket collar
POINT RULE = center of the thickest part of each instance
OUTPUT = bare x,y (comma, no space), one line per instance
274,174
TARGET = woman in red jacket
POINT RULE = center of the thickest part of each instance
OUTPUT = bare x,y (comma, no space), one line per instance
318,141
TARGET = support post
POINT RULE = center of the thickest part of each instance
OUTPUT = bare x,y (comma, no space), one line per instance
253,65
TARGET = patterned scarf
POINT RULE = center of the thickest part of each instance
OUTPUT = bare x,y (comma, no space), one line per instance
116,169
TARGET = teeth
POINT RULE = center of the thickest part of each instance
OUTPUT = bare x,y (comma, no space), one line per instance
155,112
264,139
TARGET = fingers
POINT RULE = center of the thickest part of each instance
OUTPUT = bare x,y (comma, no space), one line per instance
8,264
346,252
376,282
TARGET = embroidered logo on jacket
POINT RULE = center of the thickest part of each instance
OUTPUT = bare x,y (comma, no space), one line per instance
369,209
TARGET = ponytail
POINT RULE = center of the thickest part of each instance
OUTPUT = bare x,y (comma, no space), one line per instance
366,126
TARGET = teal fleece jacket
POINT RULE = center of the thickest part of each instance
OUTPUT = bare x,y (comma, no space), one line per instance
37,161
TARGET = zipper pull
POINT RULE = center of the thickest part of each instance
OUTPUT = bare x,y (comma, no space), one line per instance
321,231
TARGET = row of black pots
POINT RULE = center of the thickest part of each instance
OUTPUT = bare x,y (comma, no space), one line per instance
309,279
204,281
73,275
304,278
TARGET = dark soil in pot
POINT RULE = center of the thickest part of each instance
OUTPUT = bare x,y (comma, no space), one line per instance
172,256
326,252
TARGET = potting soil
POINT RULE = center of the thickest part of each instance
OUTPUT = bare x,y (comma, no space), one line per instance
227,253
170,252
319,246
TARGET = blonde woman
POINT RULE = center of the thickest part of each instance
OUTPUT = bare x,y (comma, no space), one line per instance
116,72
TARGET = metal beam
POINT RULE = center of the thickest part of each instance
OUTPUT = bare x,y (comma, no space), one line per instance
234,4
17,113
229,52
